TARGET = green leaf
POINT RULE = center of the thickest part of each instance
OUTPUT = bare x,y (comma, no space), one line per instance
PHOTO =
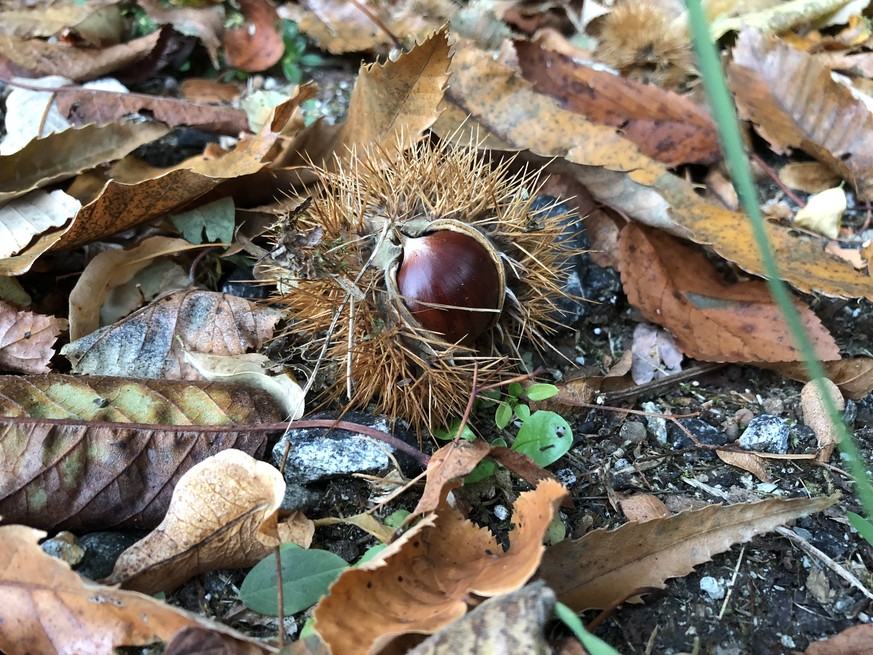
593,645
545,437
539,391
216,220
862,525
371,552
306,576
396,518
449,434
522,411
515,390
503,415
483,470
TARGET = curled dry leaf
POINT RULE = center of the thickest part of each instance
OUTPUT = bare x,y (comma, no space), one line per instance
150,342
675,286
110,269
643,507
48,608
92,453
747,461
223,514
391,105
853,376
816,417
371,603
511,623
664,125
26,339
608,566
795,103
162,191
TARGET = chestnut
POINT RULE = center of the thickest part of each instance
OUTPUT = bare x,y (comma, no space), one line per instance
451,281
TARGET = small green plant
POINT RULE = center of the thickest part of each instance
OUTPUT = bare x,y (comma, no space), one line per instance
296,59
544,436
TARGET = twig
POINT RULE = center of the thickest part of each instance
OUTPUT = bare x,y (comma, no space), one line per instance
732,582
812,551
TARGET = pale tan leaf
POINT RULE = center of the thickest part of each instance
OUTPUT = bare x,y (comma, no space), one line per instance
643,507
816,418
511,623
853,376
62,155
110,269
747,461
823,212
193,320
26,339
808,176
391,105
607,566
252,370
372,602
794,103
223,514
48,608
36,214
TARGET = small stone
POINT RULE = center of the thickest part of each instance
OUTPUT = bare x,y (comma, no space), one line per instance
766,433
102,549
566,476
657,425
501,512
318,453
702,431
714,588
633,432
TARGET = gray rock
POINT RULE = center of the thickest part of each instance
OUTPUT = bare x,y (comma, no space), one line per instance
766,433
319,453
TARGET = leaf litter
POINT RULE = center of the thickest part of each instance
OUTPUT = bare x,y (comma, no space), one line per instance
60,434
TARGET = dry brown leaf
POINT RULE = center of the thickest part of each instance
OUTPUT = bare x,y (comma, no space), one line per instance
49,609
794,103
747,461
643,507
454,460
391,105
664,125
808,176
420,582
257,44
199,640
24,20
93,453
110,269
674,285
94,106
223,514
816,418
26,339
41,58
62,155
511,623
491,97
125,203
853,376
339,26
204,22
607,566
150,343
857,640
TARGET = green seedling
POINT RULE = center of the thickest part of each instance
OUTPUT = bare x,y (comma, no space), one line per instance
296,60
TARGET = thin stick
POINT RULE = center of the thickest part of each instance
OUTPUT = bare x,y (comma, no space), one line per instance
732,582
812,551
280,597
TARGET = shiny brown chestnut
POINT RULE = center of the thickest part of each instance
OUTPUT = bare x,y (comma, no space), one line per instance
451,281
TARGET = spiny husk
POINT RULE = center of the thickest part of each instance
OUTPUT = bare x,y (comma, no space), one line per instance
339,294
